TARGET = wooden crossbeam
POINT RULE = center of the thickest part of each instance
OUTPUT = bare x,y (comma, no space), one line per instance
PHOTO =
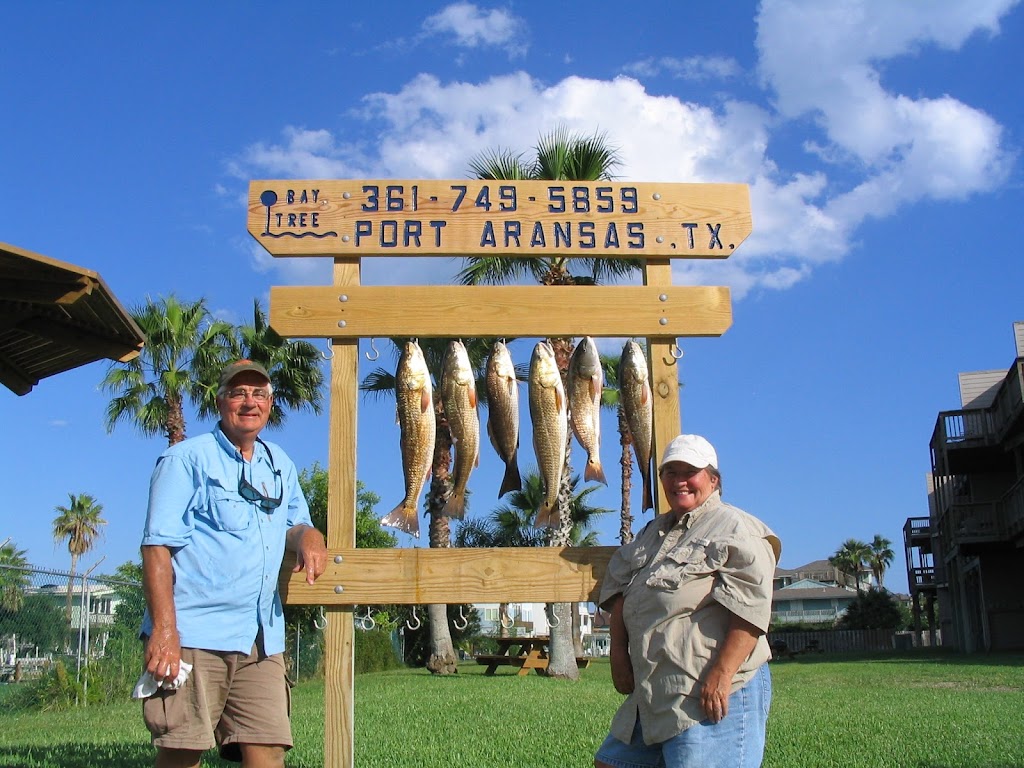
511,311
456,575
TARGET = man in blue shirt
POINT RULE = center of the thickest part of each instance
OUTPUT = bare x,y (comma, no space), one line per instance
223,507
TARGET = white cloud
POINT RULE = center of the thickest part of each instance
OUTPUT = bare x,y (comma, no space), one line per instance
692,68
473,27
875,151
824,59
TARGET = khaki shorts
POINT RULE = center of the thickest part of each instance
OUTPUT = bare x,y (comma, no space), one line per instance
228,699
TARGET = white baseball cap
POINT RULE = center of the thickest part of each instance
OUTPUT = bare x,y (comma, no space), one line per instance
691,449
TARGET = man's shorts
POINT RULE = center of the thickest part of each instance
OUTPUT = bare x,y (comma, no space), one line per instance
229,699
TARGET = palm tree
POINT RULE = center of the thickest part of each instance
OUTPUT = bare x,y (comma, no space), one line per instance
381,383
13,577
294,368
851,558
560,154
184,352
80,524
881,556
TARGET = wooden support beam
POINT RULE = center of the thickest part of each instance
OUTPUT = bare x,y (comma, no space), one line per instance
432,576
339,635
664,367
529,311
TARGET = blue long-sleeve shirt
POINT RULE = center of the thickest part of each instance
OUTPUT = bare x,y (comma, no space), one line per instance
226,552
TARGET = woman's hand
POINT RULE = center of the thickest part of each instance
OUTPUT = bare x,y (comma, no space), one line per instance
714,693
740,639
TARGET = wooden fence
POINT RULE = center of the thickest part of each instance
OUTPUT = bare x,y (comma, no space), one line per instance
831,641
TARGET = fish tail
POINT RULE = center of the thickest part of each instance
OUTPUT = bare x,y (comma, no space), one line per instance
594,471
455,507
512,480
547,516
404,518
648,499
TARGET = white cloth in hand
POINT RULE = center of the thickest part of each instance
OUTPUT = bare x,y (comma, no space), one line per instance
148,685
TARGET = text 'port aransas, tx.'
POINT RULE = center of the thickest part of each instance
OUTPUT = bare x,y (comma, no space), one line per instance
522,218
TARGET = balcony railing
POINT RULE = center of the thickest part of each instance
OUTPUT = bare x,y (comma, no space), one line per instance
983,426
984,522
922,577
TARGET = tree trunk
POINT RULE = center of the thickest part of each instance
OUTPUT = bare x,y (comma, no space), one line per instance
442,659
71,585
562,655
175,421
502,619
626,461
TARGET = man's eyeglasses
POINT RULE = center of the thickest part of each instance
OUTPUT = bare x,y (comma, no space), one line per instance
250,493
259,394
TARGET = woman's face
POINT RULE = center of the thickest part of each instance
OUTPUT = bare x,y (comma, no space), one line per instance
686,487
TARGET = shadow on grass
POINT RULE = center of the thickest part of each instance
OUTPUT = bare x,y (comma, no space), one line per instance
89,756
77,756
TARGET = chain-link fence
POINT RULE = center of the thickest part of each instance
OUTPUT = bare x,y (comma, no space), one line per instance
46,616
78,634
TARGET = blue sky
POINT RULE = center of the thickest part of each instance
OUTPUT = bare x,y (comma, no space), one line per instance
881,142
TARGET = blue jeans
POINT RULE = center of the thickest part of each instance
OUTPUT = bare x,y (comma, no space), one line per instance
735,742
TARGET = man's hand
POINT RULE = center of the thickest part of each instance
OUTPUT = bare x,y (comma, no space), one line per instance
310,551
163,654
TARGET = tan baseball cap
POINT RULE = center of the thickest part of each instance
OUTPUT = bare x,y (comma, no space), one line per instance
240,366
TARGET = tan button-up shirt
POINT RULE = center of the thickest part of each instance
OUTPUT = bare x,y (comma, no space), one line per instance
681,585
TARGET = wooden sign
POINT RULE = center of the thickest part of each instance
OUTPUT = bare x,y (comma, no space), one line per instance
605,219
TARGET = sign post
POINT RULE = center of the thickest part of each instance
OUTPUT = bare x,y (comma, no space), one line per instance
350,220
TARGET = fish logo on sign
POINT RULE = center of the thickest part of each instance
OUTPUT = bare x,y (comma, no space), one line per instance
269,199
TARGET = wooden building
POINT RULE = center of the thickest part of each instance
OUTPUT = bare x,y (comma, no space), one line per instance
966,555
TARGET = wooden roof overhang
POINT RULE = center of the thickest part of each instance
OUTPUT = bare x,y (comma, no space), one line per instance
55,316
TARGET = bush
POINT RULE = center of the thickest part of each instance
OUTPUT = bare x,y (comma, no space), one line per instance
374,651
873,609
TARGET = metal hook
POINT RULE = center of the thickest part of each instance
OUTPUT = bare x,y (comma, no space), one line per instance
464,618
416,619
376,352
323,620
676,348
552,618
511,621
367,622
330,348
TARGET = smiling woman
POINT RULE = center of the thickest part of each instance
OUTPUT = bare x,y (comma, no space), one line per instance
690,602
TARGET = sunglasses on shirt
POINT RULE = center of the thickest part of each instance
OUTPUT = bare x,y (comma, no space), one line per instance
249,492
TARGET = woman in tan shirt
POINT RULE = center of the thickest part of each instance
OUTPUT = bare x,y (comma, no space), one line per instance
690,601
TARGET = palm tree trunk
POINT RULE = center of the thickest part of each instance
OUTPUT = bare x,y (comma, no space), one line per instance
626,461
442,659
71,585
562,659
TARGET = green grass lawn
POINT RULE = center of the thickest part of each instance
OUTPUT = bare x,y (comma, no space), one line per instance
921,710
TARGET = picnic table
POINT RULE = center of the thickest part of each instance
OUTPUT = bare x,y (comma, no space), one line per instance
528,652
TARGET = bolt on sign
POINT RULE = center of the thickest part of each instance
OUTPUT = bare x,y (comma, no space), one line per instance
510,218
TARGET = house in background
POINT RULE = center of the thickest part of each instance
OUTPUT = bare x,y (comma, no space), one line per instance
823,572
966,556
810,601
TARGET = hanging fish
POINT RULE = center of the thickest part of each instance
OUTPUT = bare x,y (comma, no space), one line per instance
548,415
414,396
585,383
638,405
458,396
503,414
